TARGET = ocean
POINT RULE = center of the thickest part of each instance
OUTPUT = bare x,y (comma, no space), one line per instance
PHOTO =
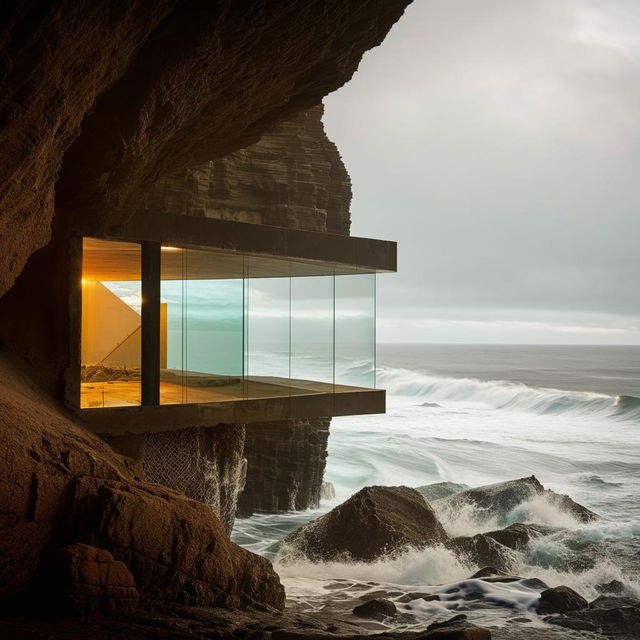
480,414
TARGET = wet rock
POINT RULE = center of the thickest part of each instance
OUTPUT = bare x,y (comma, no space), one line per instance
376,608
80,579
486,572
560,600
609,615
519,535
614,587
502,501
439,490
481,550
456,628
374,522
418,595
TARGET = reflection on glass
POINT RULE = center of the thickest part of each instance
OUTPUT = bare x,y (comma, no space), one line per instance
268,340
355,327
111,324
204,296
312,332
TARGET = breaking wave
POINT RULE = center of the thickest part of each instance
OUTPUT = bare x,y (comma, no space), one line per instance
451,392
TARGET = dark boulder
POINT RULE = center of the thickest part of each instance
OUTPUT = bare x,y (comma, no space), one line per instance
505,501
376,608
519,535
439,490
614,587
608,615
482,551
456,628
374,522
560,600
487,572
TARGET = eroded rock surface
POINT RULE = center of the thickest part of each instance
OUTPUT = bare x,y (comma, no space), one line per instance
80,579
374,522
62,485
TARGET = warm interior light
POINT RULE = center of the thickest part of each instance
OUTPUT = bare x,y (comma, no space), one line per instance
165,248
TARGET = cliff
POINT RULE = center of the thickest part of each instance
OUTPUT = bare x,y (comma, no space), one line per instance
98,102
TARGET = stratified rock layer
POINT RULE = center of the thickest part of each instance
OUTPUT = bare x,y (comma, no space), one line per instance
62,485
285,465
375,522
292,177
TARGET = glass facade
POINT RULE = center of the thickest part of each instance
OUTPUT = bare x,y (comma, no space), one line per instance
239,327
111,324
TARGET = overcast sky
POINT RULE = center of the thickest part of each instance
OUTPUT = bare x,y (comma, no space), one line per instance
498,141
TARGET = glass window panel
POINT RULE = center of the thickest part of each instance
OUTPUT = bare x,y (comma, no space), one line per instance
111,324
355,325
268,341
312,334
204,293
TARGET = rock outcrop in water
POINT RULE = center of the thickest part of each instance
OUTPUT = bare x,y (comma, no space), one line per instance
509,502
375,522
482,551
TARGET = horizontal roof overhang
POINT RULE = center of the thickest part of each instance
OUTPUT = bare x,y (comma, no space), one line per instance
154,419
215,246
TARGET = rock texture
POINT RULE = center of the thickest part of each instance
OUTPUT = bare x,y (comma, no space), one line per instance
292,177
62,485
207,465
506,500
285,465
482,551
155,88
374,522
560,600
79,580
519,535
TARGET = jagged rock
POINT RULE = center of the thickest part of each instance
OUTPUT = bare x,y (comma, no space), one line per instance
501,501
482,551
59,479
614,587
439,490
519,535
374,522
376,608
487,572
456,628
285,465
608,615
79,579
560,600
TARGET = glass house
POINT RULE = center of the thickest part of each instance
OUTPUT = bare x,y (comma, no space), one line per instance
256,331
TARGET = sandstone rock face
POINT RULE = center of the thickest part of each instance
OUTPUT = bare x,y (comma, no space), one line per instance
62,485
79,580
155,88
374,522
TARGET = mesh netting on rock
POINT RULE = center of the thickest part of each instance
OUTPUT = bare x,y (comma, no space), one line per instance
204,464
